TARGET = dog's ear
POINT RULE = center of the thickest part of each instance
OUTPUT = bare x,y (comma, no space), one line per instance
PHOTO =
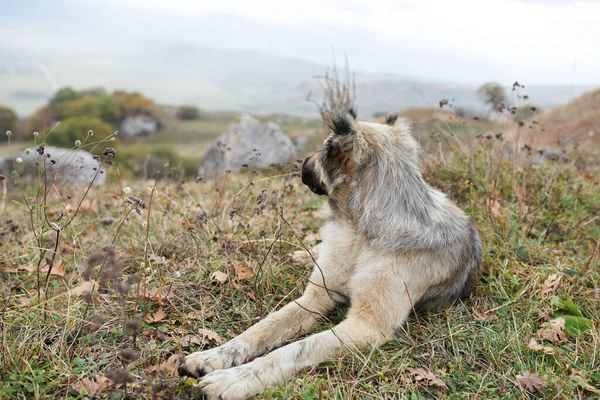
391,119
343,122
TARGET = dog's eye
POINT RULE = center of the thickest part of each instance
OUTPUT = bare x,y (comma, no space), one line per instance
332,151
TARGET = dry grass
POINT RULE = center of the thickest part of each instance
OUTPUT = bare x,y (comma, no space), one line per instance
199,262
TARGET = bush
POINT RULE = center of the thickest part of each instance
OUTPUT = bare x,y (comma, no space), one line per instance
76,128
8,122
63,95
135,103
187,113
492,94
83,107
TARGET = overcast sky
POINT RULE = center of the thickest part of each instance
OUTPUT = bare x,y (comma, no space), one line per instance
470,41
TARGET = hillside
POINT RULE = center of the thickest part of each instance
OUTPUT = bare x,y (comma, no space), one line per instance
575,122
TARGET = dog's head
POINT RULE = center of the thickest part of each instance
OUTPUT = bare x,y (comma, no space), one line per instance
353,151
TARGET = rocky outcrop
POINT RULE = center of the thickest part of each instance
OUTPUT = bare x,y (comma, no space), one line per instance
138,126
247,143
65,167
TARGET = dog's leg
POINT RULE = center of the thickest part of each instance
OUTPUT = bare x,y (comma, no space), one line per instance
379,305
293,319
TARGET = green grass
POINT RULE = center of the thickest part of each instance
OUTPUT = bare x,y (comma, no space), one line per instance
538,221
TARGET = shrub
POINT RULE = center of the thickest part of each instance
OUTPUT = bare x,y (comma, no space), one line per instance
63,95
135,103
493,94
110,109
187,113
83,107
8,121
76,128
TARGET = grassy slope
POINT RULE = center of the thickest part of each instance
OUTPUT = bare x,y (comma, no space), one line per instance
540,231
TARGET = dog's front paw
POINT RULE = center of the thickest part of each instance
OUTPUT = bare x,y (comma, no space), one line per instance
230,384
225,356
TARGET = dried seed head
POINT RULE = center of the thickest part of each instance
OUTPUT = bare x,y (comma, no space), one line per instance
90,133
120,376
8,133
78,143
35,134
129,355
110,152
134,323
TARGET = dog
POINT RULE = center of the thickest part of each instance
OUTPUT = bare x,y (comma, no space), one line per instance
392,245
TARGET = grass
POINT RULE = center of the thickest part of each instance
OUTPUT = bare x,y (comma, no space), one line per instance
199,262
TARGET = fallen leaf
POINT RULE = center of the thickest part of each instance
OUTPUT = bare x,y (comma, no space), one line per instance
535,346
93,386
199,315
531,381
211,335
421,375
250,293
83,289
576,373
158,316
576,325
554,331
168,367
154,294
550,285
242,271
494,206
202,338
193,339
58,269
482,315
218,276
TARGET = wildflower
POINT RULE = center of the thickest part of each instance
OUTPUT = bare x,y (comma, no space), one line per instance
90,133
27,151
35,134
41,148
106,221
178,274
137,203
77,143
8,133
126,190
19,160
110,152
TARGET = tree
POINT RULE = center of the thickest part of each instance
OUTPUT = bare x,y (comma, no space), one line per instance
63,95
8,121
493,94
187,112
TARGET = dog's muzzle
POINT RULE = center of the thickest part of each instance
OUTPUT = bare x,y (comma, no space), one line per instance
310,177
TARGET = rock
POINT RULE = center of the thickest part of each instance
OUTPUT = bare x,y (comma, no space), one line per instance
138,126
301,143
247,142
64,167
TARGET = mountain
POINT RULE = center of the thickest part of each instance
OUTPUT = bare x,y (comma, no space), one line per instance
213,79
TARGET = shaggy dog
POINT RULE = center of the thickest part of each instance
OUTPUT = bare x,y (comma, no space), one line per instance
391,245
